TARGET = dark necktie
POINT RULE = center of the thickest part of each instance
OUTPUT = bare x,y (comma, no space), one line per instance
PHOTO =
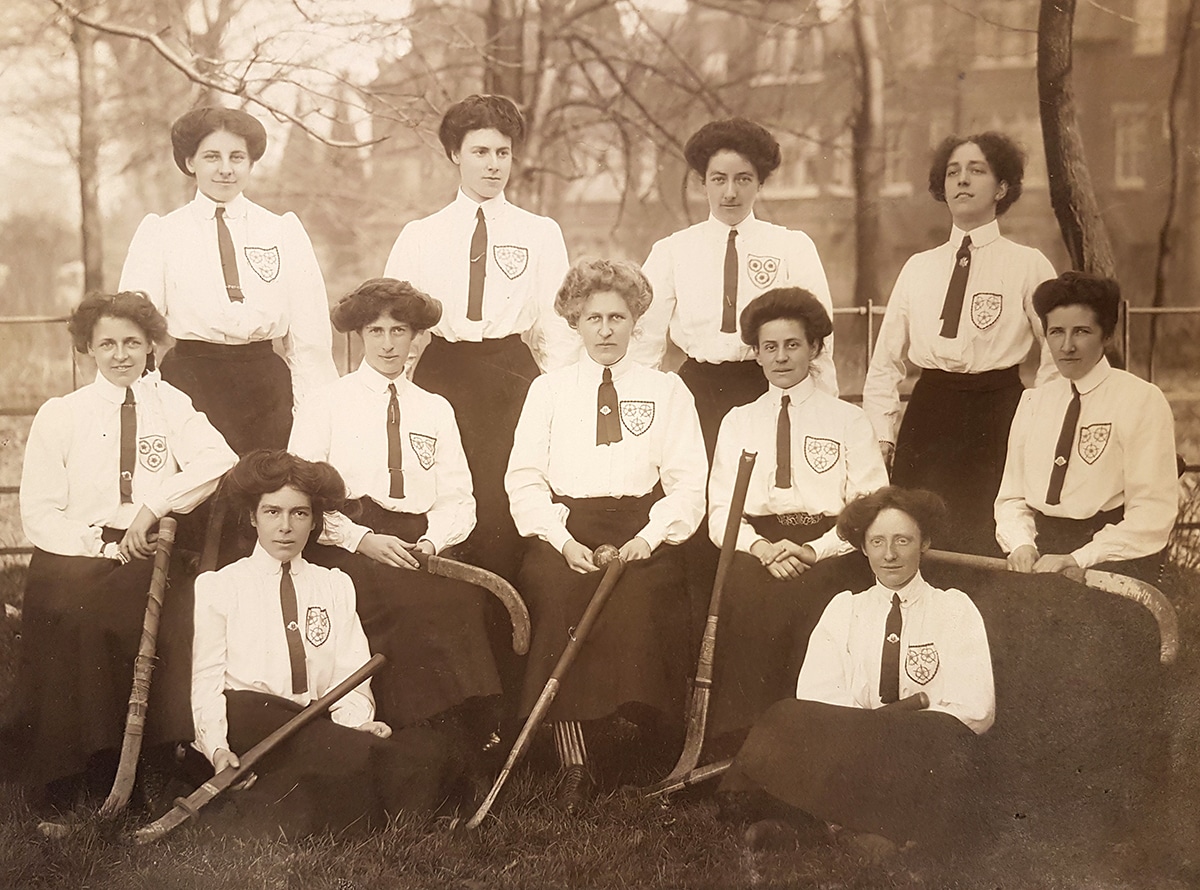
478,268
291,624
1062,451
889,666
729,301
128,445
395,457
608,422
233,284
783,446
952,308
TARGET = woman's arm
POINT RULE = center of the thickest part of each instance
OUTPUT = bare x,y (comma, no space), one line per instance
683,470
209,656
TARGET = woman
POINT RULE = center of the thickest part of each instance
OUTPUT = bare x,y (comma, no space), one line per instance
896,685
102,466
1090,478
704,275
606,452
253,671
398,448
815,453
230,277
495,269
963,314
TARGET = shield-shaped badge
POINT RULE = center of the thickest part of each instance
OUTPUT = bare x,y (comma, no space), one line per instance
985,309
264,261
152,452
637,416
821,454
762,269
512,260
921,663
316,625
1092,441
425,448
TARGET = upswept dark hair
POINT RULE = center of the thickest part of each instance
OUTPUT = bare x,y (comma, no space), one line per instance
1102,295
1003,155
132,305
262,472
193,126
481,113
787,302
750,140
379,296
926,508
589,276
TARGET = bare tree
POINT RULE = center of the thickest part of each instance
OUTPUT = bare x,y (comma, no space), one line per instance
868,154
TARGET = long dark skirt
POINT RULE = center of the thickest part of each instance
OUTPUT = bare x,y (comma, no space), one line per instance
953,441
486,383
81,627
329,777
1059,535
434,631
719,387
246,390
637,651
907,775
765,624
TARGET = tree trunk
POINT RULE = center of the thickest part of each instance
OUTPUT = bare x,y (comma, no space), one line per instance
867,155
1071,192
92,224
504,54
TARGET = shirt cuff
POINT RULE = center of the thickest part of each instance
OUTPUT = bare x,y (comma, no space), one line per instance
557,537
210,744
652,534
352,536
1088,555
159,506
829,544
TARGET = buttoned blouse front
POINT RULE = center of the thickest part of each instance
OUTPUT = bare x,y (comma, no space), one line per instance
241,643
1122,455
70,486
555,451
997,328
346,424
686,272
525,264
834,459
943,643
176,261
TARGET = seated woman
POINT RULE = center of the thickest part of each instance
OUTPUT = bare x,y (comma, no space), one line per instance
399,450
897,683
273,634
102,465
606,452
1090,478
815,454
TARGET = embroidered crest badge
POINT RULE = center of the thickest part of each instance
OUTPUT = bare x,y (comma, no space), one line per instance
985,309
921,663
637,416
821,454
762,269
512,260
1092,441
425,448
152,452
316,625
264,261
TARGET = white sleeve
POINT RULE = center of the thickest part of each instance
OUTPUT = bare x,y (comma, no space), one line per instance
200,450
357,706
649,342
403,262
683,472
452,516
969,693
1043,271
865,473
555,344
209,658
527,479
1014,518
881,389
813,278
825,674
145,269
308,345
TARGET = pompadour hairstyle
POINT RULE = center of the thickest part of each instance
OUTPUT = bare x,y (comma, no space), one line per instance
1101,295
590,276
926,508
750,140
390,296
1003,155
481,112
262,472
132,305
191,129
791,303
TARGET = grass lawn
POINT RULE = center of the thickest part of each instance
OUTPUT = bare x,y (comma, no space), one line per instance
622,840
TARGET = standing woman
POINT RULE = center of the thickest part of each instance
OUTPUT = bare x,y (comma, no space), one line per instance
230,277
962,313
102,466
705,275
606,452
495,268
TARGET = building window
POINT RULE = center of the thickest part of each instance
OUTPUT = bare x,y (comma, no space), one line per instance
916,45
790,53
896,181
841,166
1027,131
1005,34
797,176
1150,27
1130,127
